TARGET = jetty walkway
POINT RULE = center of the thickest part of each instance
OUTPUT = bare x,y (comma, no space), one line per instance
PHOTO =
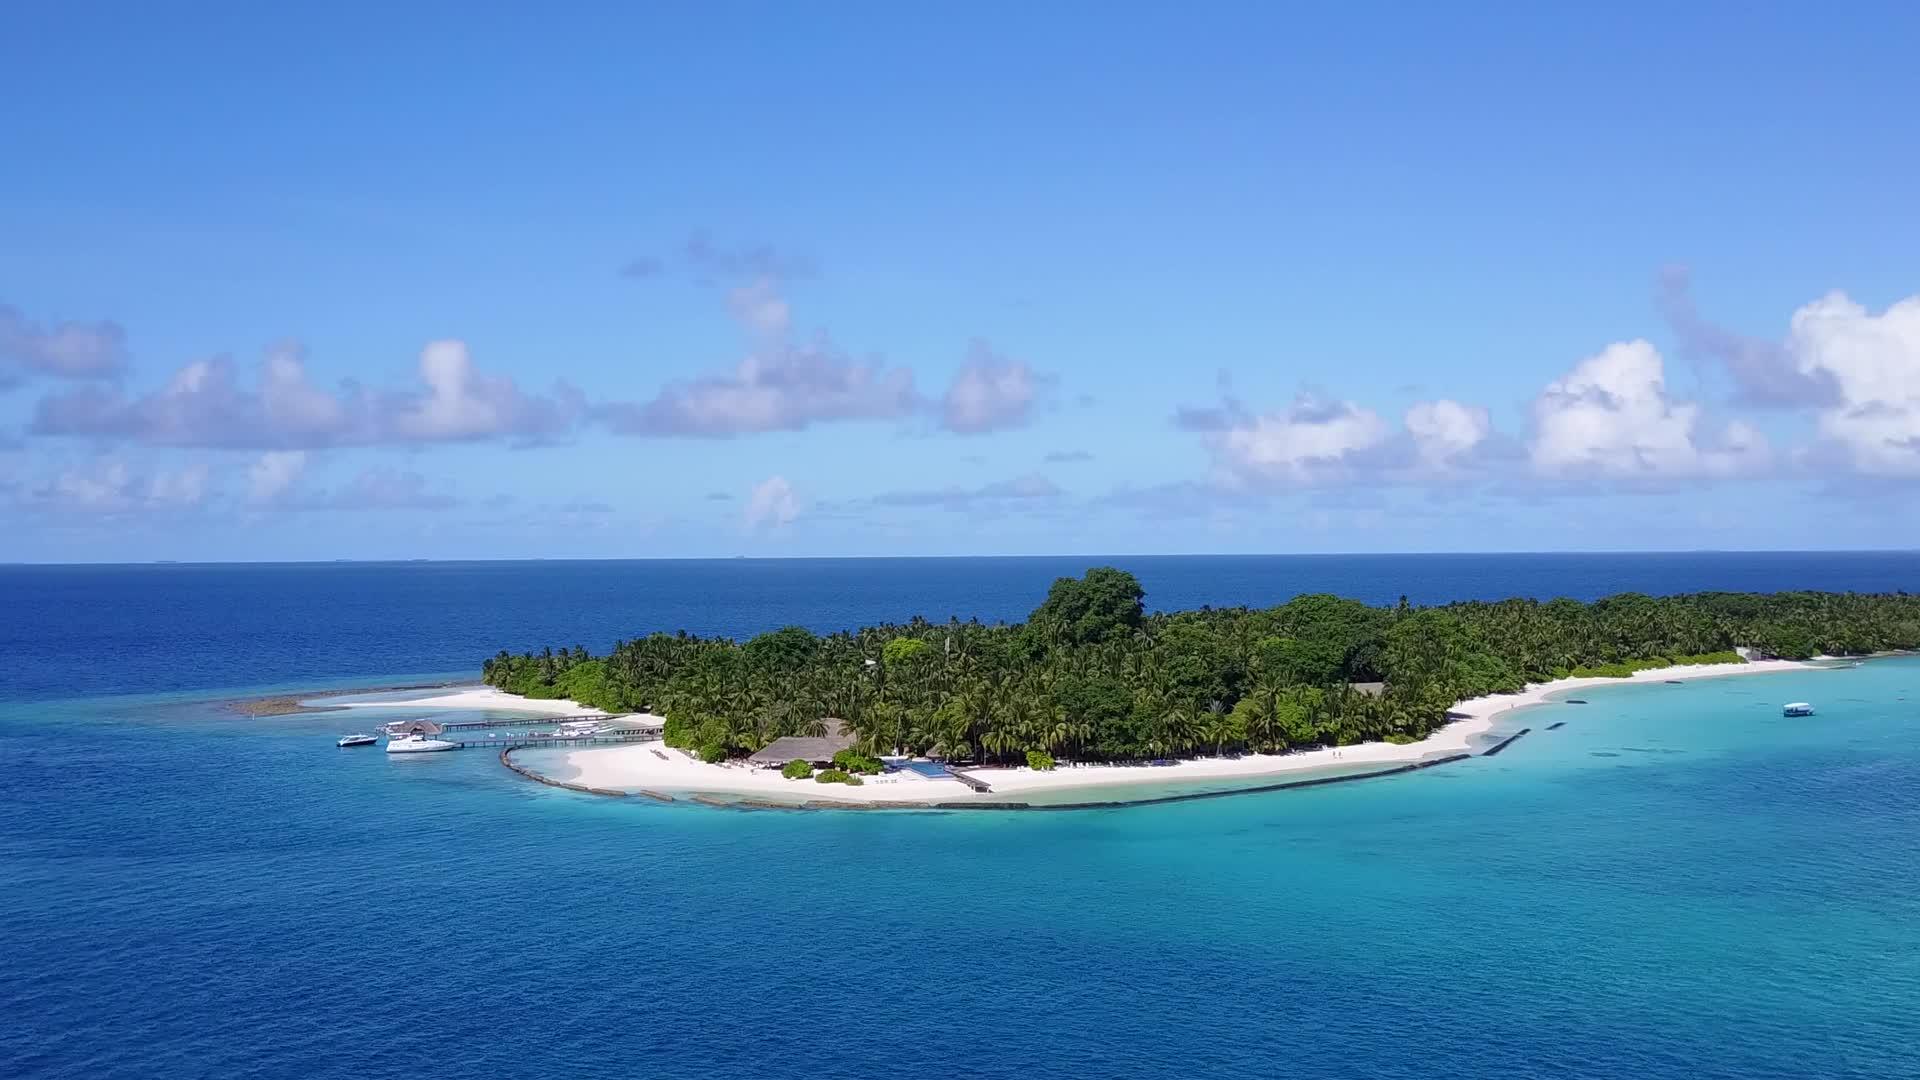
522,742
527,721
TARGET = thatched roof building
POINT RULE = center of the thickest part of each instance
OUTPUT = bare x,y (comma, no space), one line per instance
819,750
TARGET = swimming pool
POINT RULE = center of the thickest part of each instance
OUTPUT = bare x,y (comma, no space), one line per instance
924,768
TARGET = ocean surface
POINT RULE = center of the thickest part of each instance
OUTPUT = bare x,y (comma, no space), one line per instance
1676,883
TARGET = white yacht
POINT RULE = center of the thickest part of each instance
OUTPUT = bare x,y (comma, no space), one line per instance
417,744
357,740
1797,708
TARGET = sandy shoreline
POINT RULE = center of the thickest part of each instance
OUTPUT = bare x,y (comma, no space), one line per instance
653,766
482,697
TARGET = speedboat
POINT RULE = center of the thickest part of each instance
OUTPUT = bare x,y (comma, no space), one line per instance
357,740
1797,708
417,744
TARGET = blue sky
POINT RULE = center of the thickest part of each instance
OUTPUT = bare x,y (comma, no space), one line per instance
585,281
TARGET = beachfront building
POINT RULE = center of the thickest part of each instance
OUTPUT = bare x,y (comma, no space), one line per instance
813,750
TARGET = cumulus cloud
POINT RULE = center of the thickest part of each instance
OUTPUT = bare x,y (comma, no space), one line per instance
780,386
1764,373
207,403
1314,440
785,384
990,393
771,505
71,350
111,486
1873,362
1611,418
1445,433
786,388
462,404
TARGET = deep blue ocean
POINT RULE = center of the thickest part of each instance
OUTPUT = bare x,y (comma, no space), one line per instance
1677,883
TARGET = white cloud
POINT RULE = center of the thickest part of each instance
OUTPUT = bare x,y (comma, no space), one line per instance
1611,418
1444,432
772,504
990,393
786,389
206,404
1874,362
780,386
1313,441
462,404
274,473
74,350
111,486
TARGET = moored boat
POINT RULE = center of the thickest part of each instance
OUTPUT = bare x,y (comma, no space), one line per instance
417,744
357,740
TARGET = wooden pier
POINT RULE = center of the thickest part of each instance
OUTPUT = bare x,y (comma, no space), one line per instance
978,785
524,742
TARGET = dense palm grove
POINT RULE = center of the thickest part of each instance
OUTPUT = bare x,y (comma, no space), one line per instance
1091,676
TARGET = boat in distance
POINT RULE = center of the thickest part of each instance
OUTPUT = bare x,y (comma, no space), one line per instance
357,740
1796,708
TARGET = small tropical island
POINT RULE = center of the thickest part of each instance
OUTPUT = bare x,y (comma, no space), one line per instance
1093,685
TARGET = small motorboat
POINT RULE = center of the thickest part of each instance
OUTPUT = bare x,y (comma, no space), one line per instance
417,744
357,740
1796,708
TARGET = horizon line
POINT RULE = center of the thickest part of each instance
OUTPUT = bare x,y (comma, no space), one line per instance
935,558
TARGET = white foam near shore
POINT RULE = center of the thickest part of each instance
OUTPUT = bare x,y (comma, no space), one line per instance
656,767
486,698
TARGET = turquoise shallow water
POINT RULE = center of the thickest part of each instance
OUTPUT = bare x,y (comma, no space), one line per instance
1677,883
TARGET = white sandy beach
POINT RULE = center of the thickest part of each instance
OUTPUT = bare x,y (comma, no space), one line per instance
654,766
483,697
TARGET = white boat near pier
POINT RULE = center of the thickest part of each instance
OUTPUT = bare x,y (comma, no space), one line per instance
417,744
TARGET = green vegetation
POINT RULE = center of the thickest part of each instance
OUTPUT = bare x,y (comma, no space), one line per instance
838,776
854,761
1040,761
1625,668
1092,677
797,770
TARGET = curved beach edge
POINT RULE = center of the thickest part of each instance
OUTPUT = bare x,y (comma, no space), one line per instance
644,769
482,698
